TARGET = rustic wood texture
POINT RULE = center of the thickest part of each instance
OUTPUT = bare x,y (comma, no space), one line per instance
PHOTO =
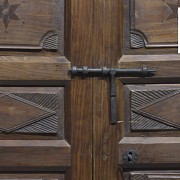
166,66
28,30
34,155
80,54
153,175
151,151
26,176
34,68
152,107
145,32
149,33
32,24
32,110
157,27
106,52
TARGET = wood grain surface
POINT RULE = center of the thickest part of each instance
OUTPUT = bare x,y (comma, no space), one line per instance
159,26
151,108
79,52
31,176
34,68
32,24
32,110
34,154
152,175
106,52
152,151
166,66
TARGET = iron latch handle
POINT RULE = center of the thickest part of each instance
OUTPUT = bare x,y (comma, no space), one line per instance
112,73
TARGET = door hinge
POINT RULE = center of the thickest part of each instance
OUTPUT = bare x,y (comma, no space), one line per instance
112,73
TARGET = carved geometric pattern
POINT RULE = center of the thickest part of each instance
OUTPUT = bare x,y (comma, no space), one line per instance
27,23
156,175
137,41
59,24
163,19
51,42
55,40
149,109
140,122
32,113
32,179
8,12
139,177
33,176
174,9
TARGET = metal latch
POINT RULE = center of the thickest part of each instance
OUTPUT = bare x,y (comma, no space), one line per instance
112,73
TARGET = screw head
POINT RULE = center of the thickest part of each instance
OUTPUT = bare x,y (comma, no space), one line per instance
124,157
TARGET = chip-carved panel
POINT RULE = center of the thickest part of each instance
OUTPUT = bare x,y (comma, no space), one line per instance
150,175
32,110
151,23
154,107
31,24
32,177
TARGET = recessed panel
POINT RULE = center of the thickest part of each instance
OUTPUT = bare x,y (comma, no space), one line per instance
151,23
32,110
153,107
32,177
153,175
31,24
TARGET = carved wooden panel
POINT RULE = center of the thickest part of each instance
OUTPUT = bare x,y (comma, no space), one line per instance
31,24
32,177
152,23
150,175
32,110
154,107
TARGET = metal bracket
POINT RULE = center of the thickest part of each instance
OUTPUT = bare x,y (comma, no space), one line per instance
112,73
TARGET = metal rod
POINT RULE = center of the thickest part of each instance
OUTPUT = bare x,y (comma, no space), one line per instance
112,73
141,71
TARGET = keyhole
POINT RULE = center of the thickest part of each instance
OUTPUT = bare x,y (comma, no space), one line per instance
130,157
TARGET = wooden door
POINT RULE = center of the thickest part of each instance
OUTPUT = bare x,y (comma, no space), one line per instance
150,144
44,133
145,143
54,126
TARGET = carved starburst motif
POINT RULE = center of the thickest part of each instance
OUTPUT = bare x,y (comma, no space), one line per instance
174,9
8,12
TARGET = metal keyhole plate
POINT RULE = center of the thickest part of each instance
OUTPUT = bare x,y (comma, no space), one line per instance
130,157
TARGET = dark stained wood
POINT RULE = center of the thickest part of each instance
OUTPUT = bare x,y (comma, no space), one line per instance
34,68
29,155
32,25
32,34
106,52
149,33
146,33
26,176
166,66
159,27
152,175
136,125
32,110
151,151
151,107
80,54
